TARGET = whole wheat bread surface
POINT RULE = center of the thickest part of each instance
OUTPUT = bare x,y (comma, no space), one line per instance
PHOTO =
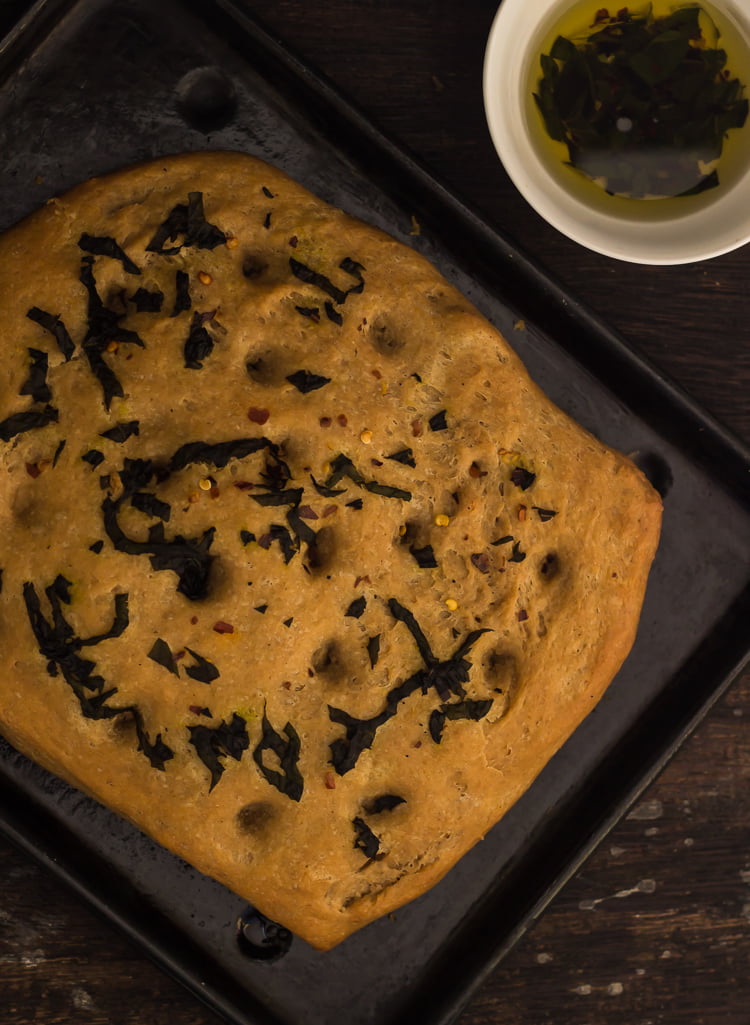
301,573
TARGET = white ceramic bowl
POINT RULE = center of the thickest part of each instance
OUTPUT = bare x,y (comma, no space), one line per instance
676,231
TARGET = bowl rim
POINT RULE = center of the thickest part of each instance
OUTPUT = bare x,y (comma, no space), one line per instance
707,230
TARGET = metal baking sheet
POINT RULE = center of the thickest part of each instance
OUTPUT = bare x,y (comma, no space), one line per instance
90,86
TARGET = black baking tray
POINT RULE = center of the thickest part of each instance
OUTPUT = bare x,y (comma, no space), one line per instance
90,86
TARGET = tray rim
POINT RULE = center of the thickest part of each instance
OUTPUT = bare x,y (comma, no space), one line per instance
711,440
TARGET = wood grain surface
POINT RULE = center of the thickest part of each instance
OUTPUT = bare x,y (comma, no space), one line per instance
655,928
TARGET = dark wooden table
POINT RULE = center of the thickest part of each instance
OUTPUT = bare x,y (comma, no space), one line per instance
656,926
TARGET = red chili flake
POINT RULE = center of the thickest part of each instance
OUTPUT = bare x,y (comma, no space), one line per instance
417,743
307,512
522,615
214,492
244,485
194,620
223,628
342,420
522,512
33,470
376,462
325,421
376,374
330,781
293,241
329,510
265,541
199,710
257,416
416,428
177,655
361,580
474,471
481,561
287,685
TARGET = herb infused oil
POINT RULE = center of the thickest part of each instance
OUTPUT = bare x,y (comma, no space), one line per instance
641,103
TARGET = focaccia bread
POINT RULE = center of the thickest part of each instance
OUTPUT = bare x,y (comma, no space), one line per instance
301,573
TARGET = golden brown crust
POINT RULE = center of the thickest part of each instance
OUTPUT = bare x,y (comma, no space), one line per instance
410,574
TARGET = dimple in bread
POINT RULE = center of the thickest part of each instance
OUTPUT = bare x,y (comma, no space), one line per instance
301,573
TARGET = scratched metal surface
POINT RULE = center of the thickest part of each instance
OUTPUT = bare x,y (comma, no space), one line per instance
112,65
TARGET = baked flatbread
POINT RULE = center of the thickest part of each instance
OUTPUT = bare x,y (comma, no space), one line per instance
301,573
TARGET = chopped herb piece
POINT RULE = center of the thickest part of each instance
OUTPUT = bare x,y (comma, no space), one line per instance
219,454
305,381
387,491
146,502
161,653
96,547
447,677
288,622
35,384
182,299
189,221
203,671
425,557
522,478
313,312
373,650
438,421
103,245
281,535
198,345
357,607
332,313
214,744
502,540
246,536
103,329
355,269
466,709
267,220
364,839
93,457
52,323
328,492
58,451
517,555
289,780
544,514
267,192
262,609
30,420
60,647
121,432
342,466
312,277
404,456
386,802
291,496
356,503
147,302
188,558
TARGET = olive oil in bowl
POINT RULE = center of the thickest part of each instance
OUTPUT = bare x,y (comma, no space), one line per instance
640,111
